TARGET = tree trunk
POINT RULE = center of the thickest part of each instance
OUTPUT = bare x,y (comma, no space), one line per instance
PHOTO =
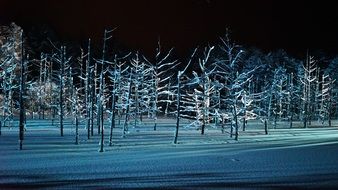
223,121
98,116
21,101
178,108
93,93
40,88
244,123
100,108
102,129
330,125
330,102
236,121
53,115
125,126
155,124
112,126
87,92
204,106
88,124
203,126
244,118
100,111
305,116
76,130
62,66
92,108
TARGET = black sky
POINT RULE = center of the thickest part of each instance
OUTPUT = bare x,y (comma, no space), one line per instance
267,24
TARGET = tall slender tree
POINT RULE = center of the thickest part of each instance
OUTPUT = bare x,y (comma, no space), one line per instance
100,98
21,98
179,96
308,81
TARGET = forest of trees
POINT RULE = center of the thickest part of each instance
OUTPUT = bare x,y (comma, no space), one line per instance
219,85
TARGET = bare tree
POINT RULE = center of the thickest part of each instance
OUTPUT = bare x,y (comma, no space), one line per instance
10,43
179,96
87,78
128,102
113,102
88,90
115,77
234,81
308,80
63,62
21,98
203,95
160,80
326,99
100,98
78,107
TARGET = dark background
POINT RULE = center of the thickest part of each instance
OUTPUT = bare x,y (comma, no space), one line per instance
295,25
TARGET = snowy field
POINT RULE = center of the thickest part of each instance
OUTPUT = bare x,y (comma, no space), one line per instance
146,159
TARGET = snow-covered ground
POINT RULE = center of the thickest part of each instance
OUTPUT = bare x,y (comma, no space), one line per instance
147,159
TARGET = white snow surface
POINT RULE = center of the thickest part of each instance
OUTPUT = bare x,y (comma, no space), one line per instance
147,159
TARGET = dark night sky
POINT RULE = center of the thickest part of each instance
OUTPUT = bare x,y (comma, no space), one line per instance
292,25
